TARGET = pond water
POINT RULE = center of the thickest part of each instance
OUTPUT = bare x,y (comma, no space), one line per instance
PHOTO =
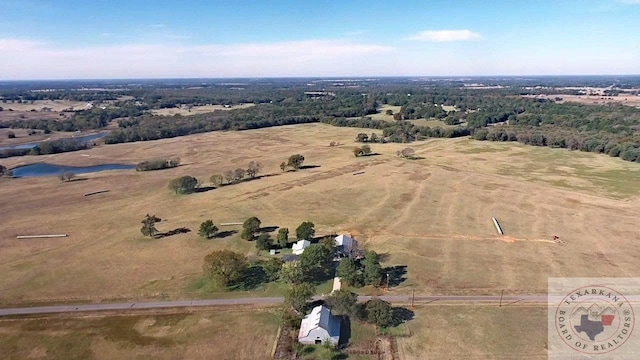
80,139
44,169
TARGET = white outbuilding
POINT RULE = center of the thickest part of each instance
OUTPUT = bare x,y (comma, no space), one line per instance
298,247
319,327
345,244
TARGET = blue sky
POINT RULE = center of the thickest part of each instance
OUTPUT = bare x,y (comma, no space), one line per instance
58,39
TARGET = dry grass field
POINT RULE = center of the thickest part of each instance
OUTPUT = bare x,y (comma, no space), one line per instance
381,114
476,332
197,109
54,105
212,334
624,99
432,214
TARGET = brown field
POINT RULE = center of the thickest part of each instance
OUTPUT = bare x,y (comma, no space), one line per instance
380,115
54,105
476,332
624,99
212,334
432,215
197,109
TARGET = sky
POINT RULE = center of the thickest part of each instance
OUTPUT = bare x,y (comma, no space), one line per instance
96,39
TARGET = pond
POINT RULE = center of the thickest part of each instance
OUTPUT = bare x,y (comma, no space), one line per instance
44,169
80,139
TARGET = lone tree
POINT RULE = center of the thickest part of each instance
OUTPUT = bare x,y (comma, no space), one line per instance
66,176
343,302
295,161
229,176
372,270
272,268
3,169
11,135
225,267
283,166
349,272
253,169
362,137
183,185
149,225
357,151
316,262
250,227
216,180
366,150
238,174
407,153
264,242
298,295
378,312
389,112
283,237
207,229
305,231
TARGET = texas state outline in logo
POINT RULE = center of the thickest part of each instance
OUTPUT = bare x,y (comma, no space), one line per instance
594,319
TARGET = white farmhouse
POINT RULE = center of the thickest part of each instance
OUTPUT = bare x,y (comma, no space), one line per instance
319,326
298,247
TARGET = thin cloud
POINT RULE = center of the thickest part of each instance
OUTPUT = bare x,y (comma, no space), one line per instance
35,60
157,25
629,2
444,35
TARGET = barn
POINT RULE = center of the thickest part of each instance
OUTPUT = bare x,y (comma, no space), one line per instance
319,326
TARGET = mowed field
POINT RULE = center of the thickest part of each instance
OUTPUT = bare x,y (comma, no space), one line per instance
432,215
212,334
476,332
197,109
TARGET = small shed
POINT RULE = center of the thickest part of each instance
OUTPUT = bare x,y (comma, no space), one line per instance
319,326
298,247
345,244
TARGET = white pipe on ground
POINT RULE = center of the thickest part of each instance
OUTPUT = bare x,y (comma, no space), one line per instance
41,236
495,222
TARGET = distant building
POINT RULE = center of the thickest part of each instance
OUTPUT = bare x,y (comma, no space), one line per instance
319,326
298,247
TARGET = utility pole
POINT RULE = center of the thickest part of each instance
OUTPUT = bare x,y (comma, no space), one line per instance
501,293
413,297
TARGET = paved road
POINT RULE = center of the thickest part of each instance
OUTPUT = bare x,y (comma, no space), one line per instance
259,301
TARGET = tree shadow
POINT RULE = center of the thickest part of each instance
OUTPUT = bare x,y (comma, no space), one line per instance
254,277
223,234
268,229
383,257
396,274
371,154
77,179
401,315
345,331
303,167
203,189
182,230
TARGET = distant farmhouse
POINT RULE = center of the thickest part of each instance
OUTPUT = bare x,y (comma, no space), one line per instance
319,327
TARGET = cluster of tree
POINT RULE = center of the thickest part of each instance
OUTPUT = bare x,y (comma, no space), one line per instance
295,162
627,147
345,303
58,146
95,118
361,272
364,150
157,164
184,184
237,175
374,138
398,132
